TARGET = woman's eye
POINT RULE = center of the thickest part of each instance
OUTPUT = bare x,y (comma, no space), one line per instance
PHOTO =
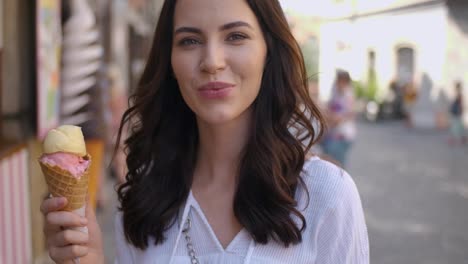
188,42
236,37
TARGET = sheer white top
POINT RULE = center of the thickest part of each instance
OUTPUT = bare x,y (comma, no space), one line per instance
336,232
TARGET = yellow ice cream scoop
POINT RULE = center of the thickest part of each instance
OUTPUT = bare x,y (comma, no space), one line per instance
66,138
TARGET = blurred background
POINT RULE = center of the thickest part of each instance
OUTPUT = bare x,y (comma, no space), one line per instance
76,62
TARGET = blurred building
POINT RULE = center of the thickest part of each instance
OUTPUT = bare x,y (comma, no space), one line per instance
45,80
423,42
306,31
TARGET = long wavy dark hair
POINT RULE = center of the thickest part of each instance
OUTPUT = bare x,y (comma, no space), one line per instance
162,145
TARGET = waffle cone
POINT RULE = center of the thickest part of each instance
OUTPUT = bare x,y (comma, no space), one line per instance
62,183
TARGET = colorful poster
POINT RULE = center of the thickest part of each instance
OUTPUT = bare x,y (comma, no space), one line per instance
48,50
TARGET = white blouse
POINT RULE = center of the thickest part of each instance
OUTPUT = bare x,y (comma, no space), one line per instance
336,232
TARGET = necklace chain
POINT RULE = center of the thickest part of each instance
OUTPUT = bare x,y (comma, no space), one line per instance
188,240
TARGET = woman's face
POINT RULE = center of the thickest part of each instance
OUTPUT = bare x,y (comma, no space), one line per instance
218,56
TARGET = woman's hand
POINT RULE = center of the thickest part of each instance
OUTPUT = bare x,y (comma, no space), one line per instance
64,243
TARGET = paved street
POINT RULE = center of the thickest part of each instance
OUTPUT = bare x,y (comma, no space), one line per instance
414,189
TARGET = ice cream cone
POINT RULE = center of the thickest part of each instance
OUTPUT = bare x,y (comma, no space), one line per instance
62,183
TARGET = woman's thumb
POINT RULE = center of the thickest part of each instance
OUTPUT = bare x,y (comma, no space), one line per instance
94,230
90,213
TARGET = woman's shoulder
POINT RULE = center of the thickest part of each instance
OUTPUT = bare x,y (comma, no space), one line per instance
327,184
317,170
334,213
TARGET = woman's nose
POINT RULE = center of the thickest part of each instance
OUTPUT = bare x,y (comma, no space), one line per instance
213,59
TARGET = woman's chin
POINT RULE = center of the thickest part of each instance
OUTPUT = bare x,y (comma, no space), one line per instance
215,119
223,115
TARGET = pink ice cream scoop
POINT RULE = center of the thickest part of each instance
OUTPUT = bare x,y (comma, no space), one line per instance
73,163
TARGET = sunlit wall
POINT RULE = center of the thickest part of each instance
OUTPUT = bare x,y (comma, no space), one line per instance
347,44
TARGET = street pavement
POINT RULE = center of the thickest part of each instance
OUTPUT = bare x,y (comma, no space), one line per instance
414,189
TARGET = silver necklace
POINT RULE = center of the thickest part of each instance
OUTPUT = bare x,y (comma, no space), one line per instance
188,240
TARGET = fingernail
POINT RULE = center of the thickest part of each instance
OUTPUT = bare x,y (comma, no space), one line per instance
61,201
84,221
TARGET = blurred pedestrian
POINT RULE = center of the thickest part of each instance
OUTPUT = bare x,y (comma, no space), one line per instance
396,95
317,149
214,173
457,128
341,117
410,95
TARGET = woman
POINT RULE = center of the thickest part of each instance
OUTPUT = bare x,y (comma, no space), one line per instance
214,173
340,112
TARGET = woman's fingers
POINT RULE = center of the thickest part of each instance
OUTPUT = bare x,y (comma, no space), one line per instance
66,219
60,220
64,241
49,205
95,236
62,254
69,237
53,204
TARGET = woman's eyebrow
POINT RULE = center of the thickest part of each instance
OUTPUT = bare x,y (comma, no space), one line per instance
227,26
234,25
187,30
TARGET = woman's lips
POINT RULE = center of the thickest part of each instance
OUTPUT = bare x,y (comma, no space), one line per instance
215,90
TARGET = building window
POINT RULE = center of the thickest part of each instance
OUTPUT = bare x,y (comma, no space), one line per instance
405,65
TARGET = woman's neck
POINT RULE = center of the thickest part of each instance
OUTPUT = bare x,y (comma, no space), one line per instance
219,152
